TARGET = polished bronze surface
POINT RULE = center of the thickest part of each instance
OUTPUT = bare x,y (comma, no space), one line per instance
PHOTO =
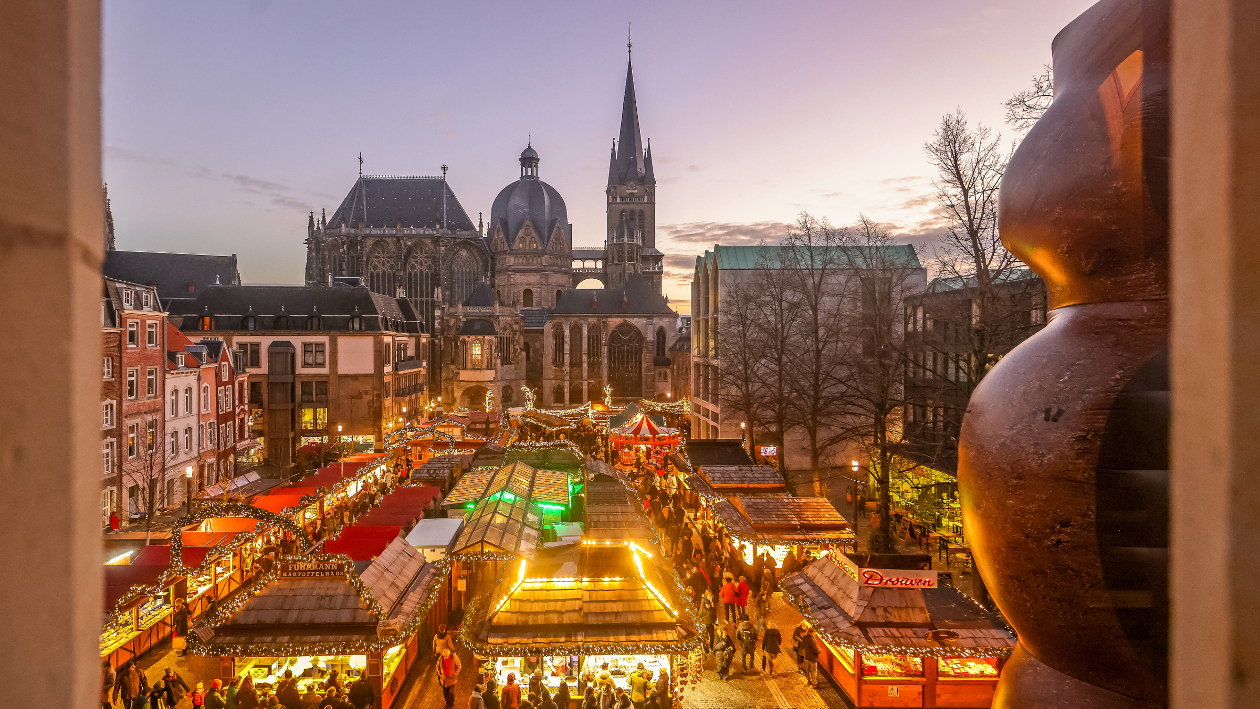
1063,453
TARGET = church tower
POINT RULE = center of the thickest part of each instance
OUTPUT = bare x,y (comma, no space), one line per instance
631,240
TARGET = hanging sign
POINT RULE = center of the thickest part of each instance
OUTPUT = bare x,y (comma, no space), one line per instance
311,569
887,578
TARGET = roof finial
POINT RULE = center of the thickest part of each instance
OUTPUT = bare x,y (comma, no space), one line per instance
529,140
629,43
360,164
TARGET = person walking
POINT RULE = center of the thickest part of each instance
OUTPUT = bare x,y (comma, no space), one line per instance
198,696
771,639
442,640
724,652
640,681
747,635
108,678
448,672
730,599
741,596
129,685
157,696
510,697
798,633
810,652
179,629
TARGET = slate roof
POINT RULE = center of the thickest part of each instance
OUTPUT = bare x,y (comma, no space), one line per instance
638,296
385,202
682,344
898,617
481,297
477,326
529,198
333,305
629,161
534,318
590,254
716,451
174,275
742,475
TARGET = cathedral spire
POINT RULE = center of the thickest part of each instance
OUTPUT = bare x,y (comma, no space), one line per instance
629,142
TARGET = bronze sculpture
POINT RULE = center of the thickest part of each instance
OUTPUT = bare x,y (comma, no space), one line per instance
1063,456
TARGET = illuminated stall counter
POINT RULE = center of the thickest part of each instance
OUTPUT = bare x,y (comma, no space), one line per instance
572,609
314,614
897,637
777,523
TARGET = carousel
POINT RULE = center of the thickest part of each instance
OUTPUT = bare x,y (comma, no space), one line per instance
643,441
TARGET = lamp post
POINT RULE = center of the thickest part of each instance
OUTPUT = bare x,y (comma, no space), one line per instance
188,476
743,435
856,467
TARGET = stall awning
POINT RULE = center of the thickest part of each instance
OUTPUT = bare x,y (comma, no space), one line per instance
160,555
275,503
359,549
120,579
228,524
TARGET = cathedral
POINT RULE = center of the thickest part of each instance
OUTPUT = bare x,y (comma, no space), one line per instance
499,299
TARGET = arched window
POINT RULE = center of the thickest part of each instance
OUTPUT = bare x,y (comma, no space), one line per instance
280,322
625,361
381,274
575,348
559,394
527,298
660,342
594,344
475,362
557,338
356,323
313,322
175,402
251,322
558,294
188,405
422,283
465,275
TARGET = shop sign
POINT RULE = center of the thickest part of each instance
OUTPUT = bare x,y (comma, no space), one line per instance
311,569
887,578
769,451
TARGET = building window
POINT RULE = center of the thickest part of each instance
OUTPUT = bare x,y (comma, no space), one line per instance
250,323
223,370
150,334
312,354
201,436
150,382
128,298
527,298
133,439
314,392
133,334
174,442
150,443
179,360
107,414
476,355
133,382
107,368
400,351
205,398
174,402
188,438
107,457
210,432
314,419
356,323
249,354
188,405
146,300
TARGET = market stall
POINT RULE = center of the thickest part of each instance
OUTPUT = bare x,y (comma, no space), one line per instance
896,637
314,614
779,524
136,621
573,609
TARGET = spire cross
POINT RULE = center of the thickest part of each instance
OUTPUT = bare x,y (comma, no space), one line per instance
629,43
360,164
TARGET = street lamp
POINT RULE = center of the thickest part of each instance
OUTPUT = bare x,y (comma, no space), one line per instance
188,470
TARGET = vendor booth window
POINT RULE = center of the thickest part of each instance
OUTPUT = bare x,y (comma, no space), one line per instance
892,666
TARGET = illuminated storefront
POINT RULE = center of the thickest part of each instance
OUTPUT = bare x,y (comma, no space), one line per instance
927,645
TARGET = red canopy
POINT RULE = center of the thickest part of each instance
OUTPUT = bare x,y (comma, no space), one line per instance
370,532
160,555
333,474
120,579
419,497
357,549
387,518
207,539
229,524
275,503
642,431
299,491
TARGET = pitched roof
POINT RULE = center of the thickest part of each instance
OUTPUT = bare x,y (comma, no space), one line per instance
630,161
175,275
742,475
378,201
334,305
682,344
638,297
481,297
477,326
716,451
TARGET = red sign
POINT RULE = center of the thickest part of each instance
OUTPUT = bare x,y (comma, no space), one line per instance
898,578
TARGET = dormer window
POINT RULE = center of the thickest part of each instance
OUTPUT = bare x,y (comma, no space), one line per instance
281,322
179,360
128,298
250,322
146,300
312,322
356,323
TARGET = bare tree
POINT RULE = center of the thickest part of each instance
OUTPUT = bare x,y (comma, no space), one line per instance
1025,108
777,313
872,371
816,259
970,162
146,471
740,333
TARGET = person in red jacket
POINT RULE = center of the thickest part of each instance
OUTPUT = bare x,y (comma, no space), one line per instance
510,697
742,592
730,598
448,672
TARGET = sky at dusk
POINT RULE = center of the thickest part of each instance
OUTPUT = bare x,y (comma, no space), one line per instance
227,122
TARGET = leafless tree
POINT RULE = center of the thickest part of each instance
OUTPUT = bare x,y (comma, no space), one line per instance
740,333
777,313
872,371
1025,108
815,259
146,471
970,162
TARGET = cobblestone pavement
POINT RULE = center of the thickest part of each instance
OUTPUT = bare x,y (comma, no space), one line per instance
785,689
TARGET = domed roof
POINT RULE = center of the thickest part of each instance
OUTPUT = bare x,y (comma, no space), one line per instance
529,198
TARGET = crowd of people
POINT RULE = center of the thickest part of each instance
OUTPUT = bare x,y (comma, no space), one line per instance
591,691
130,688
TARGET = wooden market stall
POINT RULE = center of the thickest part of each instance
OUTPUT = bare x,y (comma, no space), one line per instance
779,524
314,614
575,608
894,637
